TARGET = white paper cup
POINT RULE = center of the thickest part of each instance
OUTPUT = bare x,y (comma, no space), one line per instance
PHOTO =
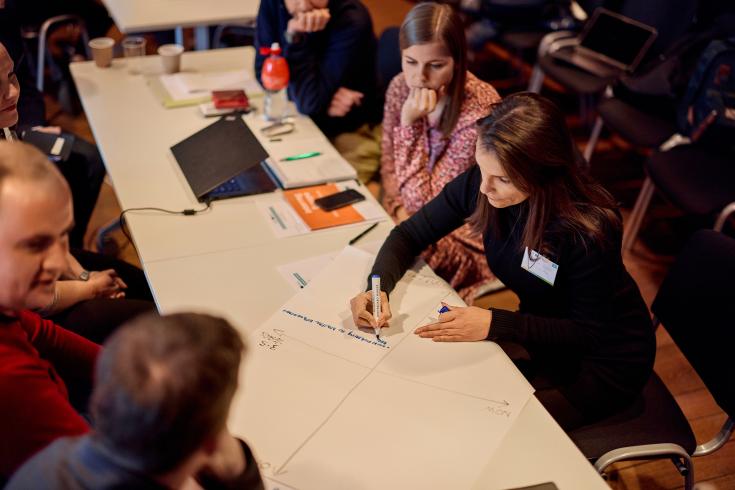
171,57
102,51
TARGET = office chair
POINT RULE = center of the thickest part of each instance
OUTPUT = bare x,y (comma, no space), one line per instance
695,306
641,108
242,34
641,128
388,57
43,33
671,19
696,178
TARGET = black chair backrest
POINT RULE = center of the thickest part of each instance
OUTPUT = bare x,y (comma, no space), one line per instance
696,305
671,18
389,57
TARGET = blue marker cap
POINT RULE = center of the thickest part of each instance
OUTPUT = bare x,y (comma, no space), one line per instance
443,309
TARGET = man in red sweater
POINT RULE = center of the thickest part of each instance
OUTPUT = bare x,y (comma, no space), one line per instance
36,356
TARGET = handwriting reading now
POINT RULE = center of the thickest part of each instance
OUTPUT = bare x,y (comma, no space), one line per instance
350,333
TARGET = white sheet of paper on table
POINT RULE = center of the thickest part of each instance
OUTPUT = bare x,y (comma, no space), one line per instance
185,85
272,484
299,273
322,401
283,220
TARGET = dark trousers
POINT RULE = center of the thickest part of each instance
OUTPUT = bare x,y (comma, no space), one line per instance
84,172
572,403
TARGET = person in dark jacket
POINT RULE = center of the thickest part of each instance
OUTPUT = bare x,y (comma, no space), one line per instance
330,48
553,237
84,169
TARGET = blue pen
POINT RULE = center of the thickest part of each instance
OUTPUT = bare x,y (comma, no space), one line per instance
443,309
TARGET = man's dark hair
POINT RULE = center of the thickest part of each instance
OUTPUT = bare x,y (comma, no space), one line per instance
164,385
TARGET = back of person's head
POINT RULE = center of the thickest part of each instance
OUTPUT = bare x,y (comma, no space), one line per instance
163,388
24,162
528,135
431,22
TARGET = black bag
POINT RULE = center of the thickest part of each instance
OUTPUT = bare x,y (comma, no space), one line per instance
708,107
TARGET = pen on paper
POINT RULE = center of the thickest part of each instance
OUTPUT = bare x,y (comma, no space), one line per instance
363,233
302,282
375,285
301,156
276,217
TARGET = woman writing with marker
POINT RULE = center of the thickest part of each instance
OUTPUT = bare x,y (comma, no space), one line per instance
429,134
553,237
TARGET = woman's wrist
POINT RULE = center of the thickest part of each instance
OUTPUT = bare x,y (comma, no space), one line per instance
51,307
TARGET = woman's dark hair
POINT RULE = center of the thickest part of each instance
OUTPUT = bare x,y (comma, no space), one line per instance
433,22
528,135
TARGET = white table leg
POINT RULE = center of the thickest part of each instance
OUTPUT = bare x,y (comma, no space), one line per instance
201,38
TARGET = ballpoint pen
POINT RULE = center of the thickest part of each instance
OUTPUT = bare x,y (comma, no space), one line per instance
362,234
375,285
301,156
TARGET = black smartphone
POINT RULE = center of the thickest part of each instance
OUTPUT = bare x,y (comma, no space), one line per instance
339,199
57,147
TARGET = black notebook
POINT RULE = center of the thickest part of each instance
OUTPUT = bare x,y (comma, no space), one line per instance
224,160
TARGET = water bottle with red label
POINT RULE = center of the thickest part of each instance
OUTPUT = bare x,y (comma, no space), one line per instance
275,81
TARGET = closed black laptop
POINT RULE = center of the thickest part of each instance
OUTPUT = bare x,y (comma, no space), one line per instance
224,160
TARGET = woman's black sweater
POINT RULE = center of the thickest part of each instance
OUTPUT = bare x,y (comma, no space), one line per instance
591,328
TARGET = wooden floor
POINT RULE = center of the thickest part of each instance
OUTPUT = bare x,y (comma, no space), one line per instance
713,472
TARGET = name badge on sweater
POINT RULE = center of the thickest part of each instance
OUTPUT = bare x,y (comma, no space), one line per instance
539,266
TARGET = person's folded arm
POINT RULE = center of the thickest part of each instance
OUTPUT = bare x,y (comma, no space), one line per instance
439,217
248,479
72,355
34,412
267,29
316,75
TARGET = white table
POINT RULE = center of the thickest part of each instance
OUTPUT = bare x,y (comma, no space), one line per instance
133,16
224,260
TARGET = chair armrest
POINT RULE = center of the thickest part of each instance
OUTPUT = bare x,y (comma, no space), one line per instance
636,452
724,214
549,41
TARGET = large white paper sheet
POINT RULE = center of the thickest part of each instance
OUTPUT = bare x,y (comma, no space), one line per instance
298,274
326,405
393,433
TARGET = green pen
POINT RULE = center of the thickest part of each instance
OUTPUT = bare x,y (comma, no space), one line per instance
301,156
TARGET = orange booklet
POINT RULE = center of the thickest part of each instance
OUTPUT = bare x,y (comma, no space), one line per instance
302,200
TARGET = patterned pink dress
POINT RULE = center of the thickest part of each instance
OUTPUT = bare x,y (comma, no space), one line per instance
418,161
